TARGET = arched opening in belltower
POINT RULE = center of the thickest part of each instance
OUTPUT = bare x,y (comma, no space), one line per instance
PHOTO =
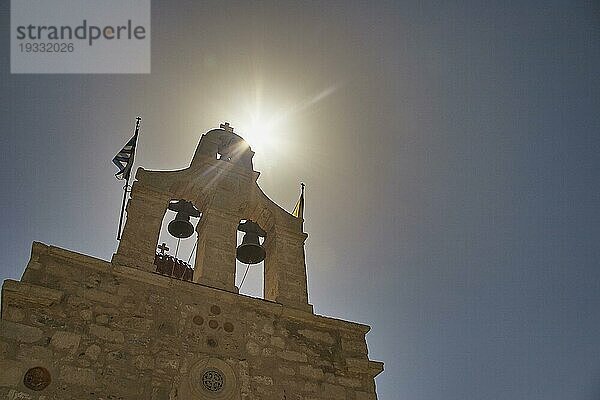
249,275
177,240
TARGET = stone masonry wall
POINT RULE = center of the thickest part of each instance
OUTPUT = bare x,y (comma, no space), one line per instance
104,331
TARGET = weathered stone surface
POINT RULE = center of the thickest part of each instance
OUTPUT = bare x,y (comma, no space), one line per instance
65,341
311,372
93,352
359,365
317,335
16,395
253,348
143,362
25,292
115,332
11,373
77,376
19,332
30,352
14,314
292,356
365,396
107,334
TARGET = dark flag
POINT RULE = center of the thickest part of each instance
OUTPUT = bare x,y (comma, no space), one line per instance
124,161
299,209
124,158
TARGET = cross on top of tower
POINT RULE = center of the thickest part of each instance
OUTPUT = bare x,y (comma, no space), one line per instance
226,127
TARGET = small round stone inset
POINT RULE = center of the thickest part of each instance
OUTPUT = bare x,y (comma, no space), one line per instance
198,320
37,378
213,380
215,310
228,326
213,324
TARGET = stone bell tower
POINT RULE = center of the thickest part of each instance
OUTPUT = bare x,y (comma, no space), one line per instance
76,327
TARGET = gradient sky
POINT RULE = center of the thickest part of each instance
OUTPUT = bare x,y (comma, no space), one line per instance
450,152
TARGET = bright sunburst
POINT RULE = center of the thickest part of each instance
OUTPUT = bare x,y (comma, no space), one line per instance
264,127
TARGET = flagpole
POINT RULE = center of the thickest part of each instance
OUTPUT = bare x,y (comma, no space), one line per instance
137,129
122,208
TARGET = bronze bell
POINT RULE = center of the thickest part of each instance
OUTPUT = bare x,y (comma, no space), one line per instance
250,251
181,226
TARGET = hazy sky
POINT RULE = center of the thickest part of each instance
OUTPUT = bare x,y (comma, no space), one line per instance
450,152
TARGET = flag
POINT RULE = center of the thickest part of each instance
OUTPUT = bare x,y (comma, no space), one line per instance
124,158
299,209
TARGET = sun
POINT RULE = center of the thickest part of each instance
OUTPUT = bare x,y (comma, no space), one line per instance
258,135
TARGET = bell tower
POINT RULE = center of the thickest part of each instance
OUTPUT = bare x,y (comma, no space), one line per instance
221,183
148,326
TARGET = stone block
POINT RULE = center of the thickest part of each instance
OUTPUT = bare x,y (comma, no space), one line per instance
26,292
99,296
93,352
349,382
11,373
14,314
252,348
34,353
317,335
333,391
19,332
107,334
290,355
278,342
262,380
65,341
365,396
311,372
143,362
16,395
287,371
78,376
358,365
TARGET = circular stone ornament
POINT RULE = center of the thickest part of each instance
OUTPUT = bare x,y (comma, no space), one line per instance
228,326
37,378
212,379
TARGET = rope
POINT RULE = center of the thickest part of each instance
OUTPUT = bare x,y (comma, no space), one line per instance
189,259
177,249
245,273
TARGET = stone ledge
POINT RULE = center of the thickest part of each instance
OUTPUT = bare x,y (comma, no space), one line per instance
155,279
26,292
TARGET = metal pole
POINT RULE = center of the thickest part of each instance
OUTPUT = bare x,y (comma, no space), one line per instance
122,208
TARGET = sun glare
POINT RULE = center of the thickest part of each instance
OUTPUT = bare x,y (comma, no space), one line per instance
265,128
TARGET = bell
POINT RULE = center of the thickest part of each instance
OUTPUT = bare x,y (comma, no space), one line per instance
181,226
250,251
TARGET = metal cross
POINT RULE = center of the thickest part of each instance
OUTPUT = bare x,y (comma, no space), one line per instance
226,127
163,247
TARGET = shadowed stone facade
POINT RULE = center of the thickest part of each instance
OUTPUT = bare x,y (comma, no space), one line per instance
76,327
